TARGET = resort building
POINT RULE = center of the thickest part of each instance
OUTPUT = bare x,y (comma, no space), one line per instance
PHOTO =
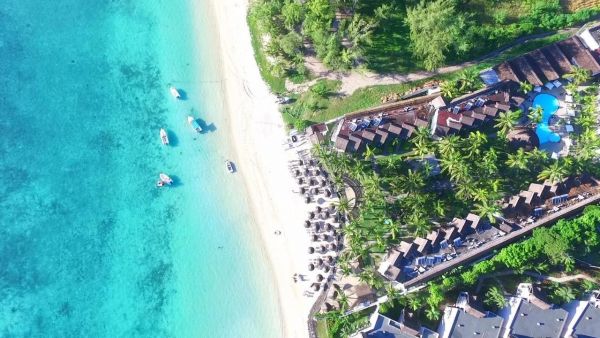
462,320
380,126
584,317
381,326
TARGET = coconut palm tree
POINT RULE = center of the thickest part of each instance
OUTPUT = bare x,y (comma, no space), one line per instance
448,144
555,173
518,160
525,87
343,205
432,313
536,114
487,209
413,181
578,75
475,143
564,293
506,121
449,89
468,79
495,298
369,153
571,88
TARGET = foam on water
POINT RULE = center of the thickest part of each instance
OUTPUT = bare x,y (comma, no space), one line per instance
88,246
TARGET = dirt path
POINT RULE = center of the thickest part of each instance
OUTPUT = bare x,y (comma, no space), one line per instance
354,80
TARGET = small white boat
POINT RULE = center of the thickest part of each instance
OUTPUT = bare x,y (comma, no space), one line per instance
230,166
192,121
164,137
175,92
164,178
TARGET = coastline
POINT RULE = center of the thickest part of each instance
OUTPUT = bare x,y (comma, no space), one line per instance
258,142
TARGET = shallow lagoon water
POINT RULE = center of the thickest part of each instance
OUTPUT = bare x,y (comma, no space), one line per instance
89,247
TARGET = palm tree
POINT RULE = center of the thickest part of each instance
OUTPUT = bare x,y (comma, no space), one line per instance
525,87
564,293
432,313
413,181
518,160
343,205
449,89
468,80
578,75
414,303
475,142
506,121
369,276
487,209
495,298
555,173
392,293
571,87
536,114
369,153
448,144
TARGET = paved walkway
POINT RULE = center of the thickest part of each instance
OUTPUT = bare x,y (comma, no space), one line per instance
561,280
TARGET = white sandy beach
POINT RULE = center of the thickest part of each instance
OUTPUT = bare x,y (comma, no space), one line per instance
259,136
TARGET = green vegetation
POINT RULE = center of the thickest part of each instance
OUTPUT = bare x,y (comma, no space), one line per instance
394,35
556,246
308,104
336,324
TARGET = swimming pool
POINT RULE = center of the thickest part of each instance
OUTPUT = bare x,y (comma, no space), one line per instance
549,104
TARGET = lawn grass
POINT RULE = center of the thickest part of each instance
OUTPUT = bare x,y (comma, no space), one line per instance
276,84
322,330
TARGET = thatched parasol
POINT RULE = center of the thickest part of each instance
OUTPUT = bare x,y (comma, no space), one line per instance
307,224
323,237
314,238
323,183
328,226
297,173
317,172
316,286
327,214
306,172
329,259
307,199
316,227
323,249
303,190
311,267
332,207
326,269
299,180
327,193
319,277
318,208
319,261
311,250
300,162
311,215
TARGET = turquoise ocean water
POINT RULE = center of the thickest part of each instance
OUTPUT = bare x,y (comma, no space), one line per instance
88,246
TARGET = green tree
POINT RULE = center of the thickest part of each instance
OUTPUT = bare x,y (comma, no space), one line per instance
555,173
525,87
432,313
495,298
487,209
518,160
536,114
564,294
506,121
449,89
578,75
432,26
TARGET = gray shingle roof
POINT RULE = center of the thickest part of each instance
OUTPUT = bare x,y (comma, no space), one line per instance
588,324
531,321
467,325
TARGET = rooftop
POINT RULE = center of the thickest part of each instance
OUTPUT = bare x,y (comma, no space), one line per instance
588,324
532,321
466,325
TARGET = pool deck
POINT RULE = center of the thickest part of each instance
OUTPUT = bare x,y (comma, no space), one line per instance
557,122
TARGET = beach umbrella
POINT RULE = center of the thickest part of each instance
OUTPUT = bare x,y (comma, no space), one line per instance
300,180
314,191
330,259
328,226
316,286
319,209
317,172
319,277
336,218
307,224
324,215
311,215
306,172
327,193
319,261
311,267
307,199
327,214
300,162
323,237
297,172
327,269
334,233
332,207
302,190
311,250
314,238
315,227
323,249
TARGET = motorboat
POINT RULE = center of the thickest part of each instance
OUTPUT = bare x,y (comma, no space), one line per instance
176,94
230,166
165,179
164,137
192,121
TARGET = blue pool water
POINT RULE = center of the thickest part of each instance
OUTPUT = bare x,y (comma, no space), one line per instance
88,246
549,104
